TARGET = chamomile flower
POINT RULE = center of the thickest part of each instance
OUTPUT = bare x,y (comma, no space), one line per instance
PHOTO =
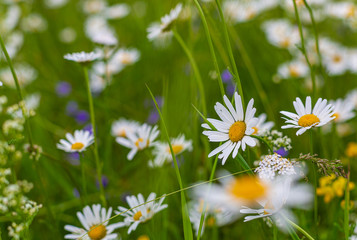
293,69
162,31
126,56
142,213
95,224
77,142
141,138
306,117
214,216
82,57
162,150
234,128
262,126
121,127
105,38
282,34
343,110
283,193
234,192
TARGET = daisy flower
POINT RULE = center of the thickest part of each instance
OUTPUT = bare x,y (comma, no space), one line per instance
141,138
321,114
294,69
233,192
162,150
82,57
105,38
121,127
234,128
283,193
142,213
126,56
77,142
95,225
262,126
214,216
162,31
343,110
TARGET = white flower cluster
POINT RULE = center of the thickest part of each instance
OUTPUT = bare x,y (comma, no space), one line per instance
277,140
272,165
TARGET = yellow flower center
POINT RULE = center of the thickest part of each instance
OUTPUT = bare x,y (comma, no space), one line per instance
247,188
336,115
351,11
293,71
143,237
210,221
77,146
255,130
337,58
137,216
237,131
285,43
126,59
121,133
308,120
268,205
97,232
140,140
176,148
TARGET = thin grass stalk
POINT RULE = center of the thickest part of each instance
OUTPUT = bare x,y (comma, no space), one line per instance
230,51
314,172
19,92
211,48
346,224
303,50
84,183
300,229
195,70
96,156
185,216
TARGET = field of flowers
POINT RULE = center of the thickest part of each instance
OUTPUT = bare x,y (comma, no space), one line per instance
199,119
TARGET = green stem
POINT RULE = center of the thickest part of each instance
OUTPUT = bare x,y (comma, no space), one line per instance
303,50
195,70
230,52
84,183
18,88
211,48
185,216
314,172
92,117
299,228
347,205
244,164
275,232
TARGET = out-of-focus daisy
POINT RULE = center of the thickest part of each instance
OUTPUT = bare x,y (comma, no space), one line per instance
141,138
55,3
274,165
234,128
282,34
343,110
25,74
94,6
116,11
95,225
214,216
82,57
352,96
293,69
77,142
284,193
234,192
306,117
67,35
262,126
162,31
142,213
34,23
122,127
343,9
162,150
126,56
105,38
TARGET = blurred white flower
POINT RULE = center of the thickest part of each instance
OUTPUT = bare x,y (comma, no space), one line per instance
55,3
116,11
262,126
82,57
293,69
140,214
34,23
67,35
122,127
343,110
24,72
